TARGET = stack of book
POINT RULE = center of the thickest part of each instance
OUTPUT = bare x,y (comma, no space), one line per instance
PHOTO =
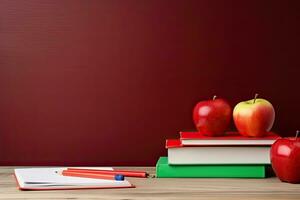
231,156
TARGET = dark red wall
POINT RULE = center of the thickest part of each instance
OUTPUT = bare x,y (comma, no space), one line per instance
87,82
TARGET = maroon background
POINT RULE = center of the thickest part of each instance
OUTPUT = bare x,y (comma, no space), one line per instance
106,82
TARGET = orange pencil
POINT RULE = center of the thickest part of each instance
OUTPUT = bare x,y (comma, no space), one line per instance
117,177
127,173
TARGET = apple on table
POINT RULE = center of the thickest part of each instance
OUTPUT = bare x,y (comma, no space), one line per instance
212,117
285,159
254,118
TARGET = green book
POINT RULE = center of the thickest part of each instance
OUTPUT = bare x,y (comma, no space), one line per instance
164,170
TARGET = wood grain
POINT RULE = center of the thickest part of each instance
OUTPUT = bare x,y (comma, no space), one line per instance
152,188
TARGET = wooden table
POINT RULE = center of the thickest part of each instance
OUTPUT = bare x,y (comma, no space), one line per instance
153,188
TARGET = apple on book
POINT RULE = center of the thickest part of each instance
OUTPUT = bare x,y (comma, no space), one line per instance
254,118
212,117
285,159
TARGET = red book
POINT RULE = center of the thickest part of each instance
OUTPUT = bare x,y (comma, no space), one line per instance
229,139
173,143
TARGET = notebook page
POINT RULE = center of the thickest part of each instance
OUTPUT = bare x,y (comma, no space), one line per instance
47,177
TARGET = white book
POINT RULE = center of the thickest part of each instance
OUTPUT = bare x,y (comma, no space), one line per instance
218,155
179,154
48,179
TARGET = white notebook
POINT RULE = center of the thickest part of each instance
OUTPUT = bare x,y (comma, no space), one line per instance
48,179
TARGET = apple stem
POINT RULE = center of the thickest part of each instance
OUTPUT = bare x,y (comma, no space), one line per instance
214,97
297,133
255,97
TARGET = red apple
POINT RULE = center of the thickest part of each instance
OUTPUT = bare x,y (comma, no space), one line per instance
254,118
285,159
212,117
